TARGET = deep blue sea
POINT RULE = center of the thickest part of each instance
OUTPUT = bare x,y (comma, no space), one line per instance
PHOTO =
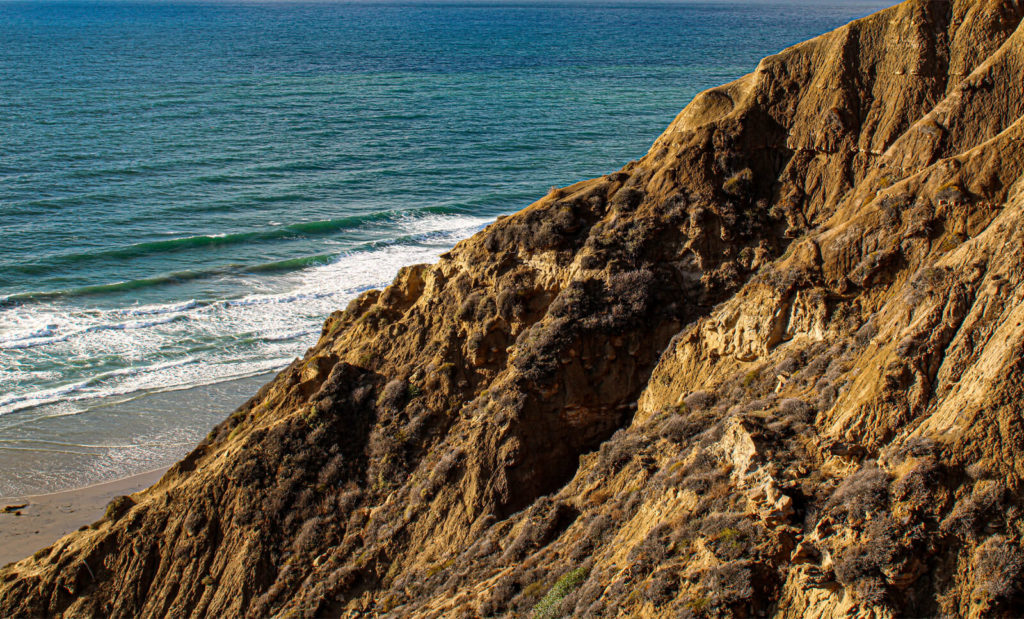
188,189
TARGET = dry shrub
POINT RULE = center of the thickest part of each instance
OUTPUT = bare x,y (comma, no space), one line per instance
311,535
998,568
699,400
862,493
661,587
728,583
618,450
728,535
918,485
677,429
393,395
972,511
650,552
860,565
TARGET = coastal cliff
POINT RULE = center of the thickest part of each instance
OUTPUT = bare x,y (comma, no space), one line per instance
774,367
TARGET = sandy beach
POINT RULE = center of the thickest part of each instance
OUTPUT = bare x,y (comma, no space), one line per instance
45,518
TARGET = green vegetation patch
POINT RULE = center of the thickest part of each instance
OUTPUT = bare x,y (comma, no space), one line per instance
546,607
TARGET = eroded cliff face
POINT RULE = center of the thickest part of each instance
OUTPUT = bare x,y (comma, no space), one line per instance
772,368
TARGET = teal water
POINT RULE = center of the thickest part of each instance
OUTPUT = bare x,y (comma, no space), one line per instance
188,189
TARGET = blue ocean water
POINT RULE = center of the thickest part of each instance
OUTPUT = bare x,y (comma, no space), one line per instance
188,189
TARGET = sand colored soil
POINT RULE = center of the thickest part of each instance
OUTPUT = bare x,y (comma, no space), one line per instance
48,517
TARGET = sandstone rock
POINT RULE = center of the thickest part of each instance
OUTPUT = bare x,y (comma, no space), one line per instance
828,249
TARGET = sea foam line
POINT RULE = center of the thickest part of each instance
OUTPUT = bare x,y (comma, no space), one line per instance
76,392
122,326
27,400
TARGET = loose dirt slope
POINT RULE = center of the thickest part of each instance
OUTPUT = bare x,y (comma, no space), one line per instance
774,367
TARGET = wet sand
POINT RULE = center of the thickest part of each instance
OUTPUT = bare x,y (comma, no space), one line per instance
42,452
26,471
48,517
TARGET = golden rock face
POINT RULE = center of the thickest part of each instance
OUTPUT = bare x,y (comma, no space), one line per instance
772,367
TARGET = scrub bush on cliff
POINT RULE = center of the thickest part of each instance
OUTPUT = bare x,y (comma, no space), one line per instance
588,307
999,564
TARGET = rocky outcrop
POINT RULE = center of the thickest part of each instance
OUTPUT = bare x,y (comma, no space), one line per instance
772,367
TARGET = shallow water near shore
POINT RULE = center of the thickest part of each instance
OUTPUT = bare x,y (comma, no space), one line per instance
188,189
136,433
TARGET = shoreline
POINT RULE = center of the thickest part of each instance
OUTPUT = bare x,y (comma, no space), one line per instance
48,517
117,439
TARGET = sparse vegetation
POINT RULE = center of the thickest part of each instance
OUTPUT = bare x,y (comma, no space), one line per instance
571,416
973,510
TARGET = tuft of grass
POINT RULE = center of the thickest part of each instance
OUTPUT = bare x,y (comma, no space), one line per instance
546,607
739,183
533,590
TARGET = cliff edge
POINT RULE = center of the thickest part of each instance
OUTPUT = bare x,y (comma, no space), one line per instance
774,367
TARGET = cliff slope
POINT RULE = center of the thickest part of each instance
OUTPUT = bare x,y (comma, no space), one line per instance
772,367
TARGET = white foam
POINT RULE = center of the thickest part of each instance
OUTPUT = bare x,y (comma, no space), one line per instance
72,392
158,309
31,334
289,335
188,343
117,326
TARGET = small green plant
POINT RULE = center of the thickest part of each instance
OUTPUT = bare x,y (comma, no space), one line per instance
731,536
546,607
886,181
415,391
312,416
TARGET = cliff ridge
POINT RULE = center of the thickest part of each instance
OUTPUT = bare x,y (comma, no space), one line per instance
772,367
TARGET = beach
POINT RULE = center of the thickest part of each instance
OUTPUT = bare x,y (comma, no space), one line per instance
45,518
64,490
43,453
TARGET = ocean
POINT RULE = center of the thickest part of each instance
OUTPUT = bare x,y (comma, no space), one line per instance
187,189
